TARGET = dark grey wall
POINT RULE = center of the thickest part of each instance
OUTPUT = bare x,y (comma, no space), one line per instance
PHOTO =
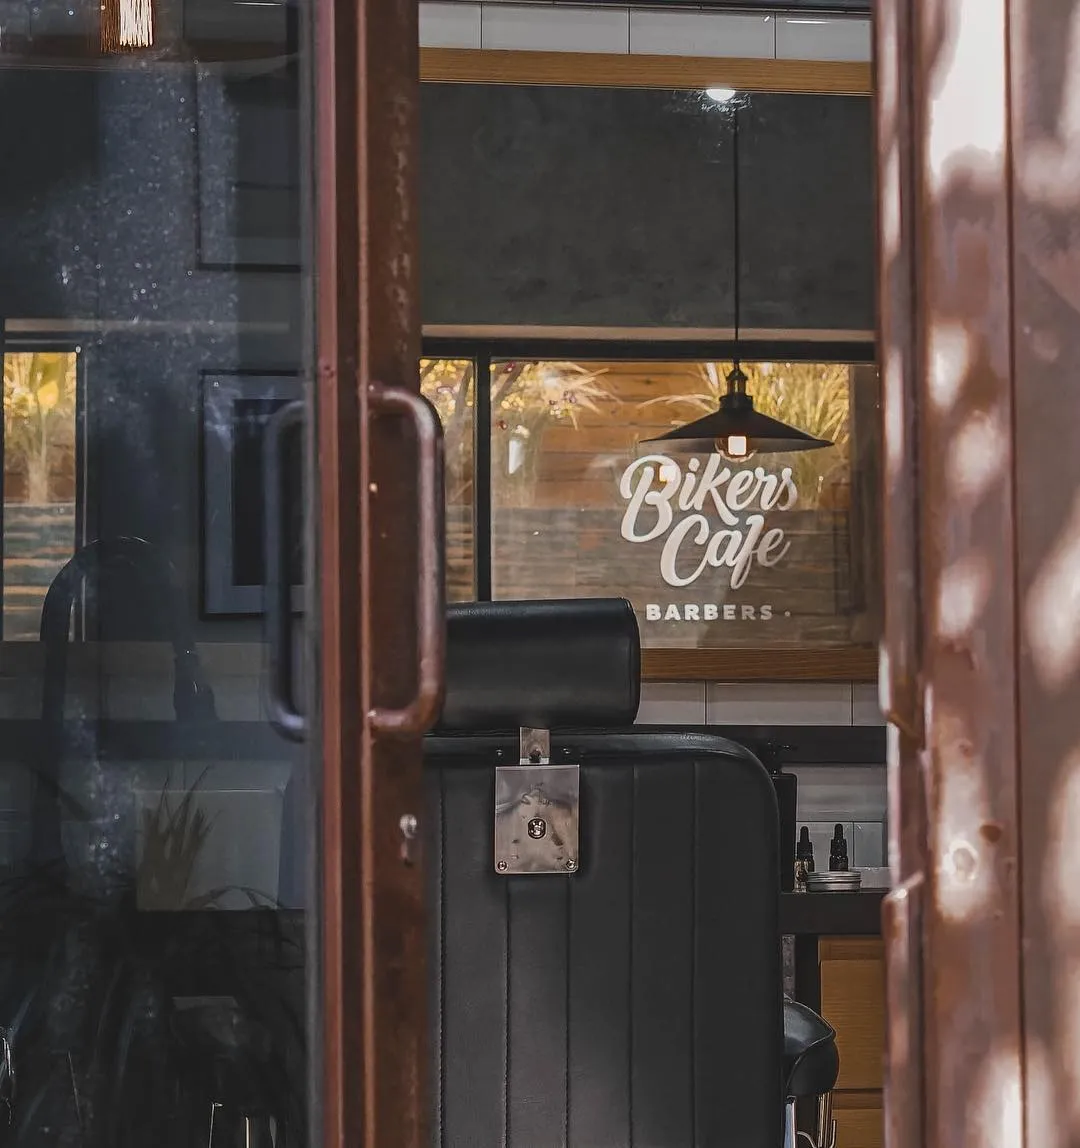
609,207
100,234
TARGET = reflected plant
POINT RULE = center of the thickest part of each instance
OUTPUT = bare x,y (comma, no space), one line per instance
448,384
91,988
172,840
526,398
815,397
39,410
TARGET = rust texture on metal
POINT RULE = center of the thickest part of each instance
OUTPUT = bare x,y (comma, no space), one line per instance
902,933
899,663
423,710
391,906
951,648
337,438
1044,91
373,992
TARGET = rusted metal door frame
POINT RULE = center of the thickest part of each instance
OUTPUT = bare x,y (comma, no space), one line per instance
950,666
379,470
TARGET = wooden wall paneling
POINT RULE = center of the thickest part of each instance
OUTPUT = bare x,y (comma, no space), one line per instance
472,66
859,1126
853,1002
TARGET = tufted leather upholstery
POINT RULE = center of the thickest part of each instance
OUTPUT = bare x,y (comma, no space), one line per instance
637,1002
544,664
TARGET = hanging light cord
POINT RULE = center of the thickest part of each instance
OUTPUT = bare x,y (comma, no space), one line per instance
735,211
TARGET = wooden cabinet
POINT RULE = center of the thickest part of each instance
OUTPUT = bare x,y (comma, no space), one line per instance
859,1127
852,972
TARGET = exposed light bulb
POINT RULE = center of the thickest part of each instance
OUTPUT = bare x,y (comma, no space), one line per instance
734,447
669,472
720,95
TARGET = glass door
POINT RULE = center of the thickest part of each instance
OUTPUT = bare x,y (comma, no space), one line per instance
188,662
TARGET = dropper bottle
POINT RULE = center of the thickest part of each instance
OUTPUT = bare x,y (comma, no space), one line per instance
838,854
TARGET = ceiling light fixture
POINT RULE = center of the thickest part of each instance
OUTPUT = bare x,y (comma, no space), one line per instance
720,95
736,429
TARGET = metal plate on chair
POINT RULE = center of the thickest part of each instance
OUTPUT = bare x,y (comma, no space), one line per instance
536,819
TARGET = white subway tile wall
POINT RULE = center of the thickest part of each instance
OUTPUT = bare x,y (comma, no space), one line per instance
672,703
769,703
854,796
868,844
833,38
866,705
536,28
540,27
835,793
760,703
450,25
722,34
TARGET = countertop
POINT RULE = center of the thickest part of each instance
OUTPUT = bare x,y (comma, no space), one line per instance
832,914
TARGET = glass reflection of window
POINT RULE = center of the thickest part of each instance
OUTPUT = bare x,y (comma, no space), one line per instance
40,395
563,435
449,384
815,397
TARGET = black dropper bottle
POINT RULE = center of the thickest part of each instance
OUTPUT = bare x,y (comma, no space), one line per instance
805,849
838,857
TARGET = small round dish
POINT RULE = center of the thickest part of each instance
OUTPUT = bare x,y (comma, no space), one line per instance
847,881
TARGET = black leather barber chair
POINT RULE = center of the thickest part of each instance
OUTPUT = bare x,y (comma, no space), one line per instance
811,1065
605,943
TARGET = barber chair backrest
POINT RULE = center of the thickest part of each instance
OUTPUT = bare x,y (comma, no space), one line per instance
636,999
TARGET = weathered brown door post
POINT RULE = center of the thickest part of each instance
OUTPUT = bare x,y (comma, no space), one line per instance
380,471
979,169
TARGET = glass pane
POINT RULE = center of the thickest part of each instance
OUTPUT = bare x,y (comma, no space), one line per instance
154,846
777,549
40,481
450,384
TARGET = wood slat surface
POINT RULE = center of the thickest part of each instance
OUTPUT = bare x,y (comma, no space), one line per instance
472,66
853,1002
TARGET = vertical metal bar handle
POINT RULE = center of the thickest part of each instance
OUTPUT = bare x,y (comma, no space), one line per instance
284,715
421,713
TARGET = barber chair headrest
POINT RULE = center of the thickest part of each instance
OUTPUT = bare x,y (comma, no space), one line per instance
546,665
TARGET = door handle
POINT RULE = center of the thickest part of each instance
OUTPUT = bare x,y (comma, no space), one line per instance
421,713
284,713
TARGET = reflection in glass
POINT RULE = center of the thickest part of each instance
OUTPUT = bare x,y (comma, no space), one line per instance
155,848
773,550
449,384
40,486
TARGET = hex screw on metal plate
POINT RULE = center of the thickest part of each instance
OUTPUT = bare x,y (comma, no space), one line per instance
502,866
571,865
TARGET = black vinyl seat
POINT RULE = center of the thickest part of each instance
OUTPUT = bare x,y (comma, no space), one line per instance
638,999
811,1060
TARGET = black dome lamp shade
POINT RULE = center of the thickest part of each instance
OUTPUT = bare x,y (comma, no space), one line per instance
736,429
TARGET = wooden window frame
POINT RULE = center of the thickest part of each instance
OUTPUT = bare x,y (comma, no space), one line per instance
857,663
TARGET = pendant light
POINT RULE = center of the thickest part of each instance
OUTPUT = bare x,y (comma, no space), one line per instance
736,429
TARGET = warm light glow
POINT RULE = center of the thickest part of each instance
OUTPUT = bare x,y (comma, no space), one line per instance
720,95
669,472
735,447
126,24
